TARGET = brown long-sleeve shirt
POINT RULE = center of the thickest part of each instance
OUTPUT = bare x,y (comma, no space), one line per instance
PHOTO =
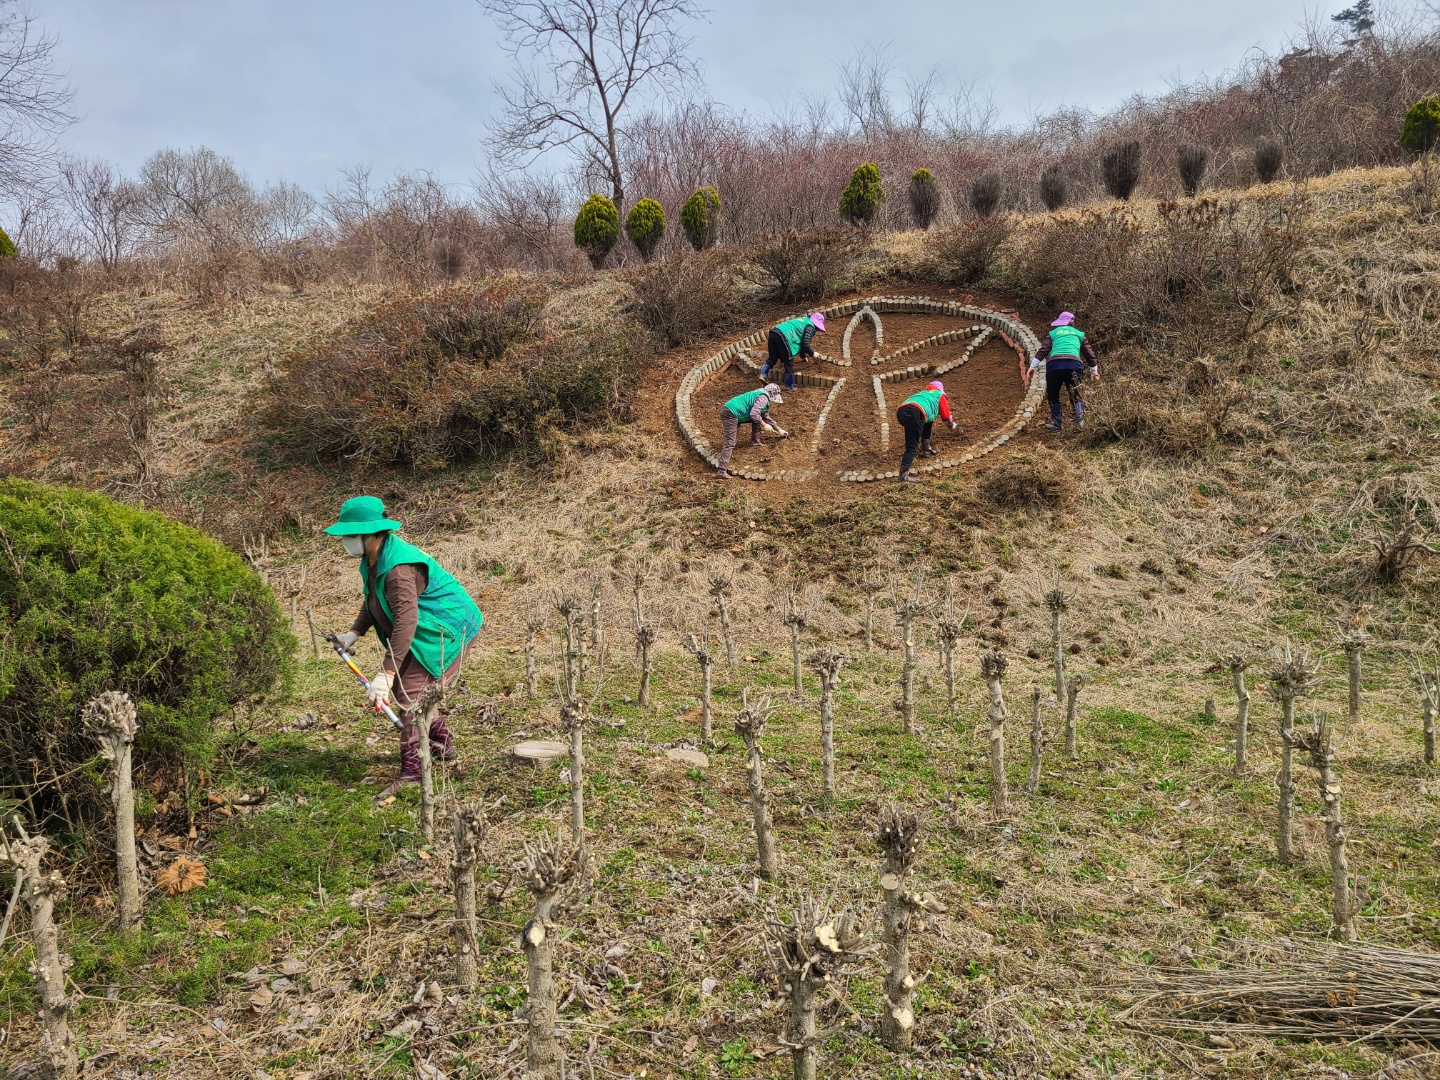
403,586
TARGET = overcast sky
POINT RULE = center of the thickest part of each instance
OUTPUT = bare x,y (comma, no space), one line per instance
302,88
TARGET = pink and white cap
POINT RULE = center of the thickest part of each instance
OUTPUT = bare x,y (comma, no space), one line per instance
818,318
936,384
1065,318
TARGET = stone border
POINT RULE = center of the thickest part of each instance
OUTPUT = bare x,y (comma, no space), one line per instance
824,415
864,312
1011,330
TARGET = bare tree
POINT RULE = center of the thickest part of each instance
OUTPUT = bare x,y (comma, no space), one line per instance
1353,640
1320,743
722,587
197,196
1037,738
470,829
906,612
534,623
425,712
598,56
1289,679
1428,681
25,856
797,619
546,870
103,205
897,836
749,725
864,91
1237,663
699,648
992,670
645,633
1058,601
111,718
827,665
1073,685
948,632
810,954
34,98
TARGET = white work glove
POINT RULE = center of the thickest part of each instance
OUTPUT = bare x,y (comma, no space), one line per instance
782,433
1034,362
1095,373
347,639
378,692
953,424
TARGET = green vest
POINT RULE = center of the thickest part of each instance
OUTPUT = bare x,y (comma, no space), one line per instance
739,406
793,331
447,619
929,402
1065,343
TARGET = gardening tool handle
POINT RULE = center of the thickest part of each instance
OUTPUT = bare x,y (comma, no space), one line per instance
379,706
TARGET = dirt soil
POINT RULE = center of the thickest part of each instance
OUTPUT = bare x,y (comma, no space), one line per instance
984,394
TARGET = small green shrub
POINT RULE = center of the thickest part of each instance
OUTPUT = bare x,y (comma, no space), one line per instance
597,229
645,225
7,246
96,595
924,198
1422,126
452,376
862,196
700,218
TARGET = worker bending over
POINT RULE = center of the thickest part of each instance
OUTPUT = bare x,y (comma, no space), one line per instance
424,618
1065,356
753,409
917,416
788,340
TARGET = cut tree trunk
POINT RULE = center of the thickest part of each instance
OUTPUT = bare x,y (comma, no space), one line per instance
545,872
644,640
827,665
1073,685
897,834
531,679
1242,716
573,720
424,718
112,718
469,832
1429,699
749,725
1037,741
700,649
905,705
992,669
1285,783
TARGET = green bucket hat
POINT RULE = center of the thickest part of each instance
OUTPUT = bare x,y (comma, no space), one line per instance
362,515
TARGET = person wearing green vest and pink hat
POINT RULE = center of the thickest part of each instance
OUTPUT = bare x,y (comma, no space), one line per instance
1065,356
754,409
917,416
424,618
790,339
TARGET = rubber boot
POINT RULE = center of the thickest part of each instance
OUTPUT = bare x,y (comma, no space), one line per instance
926,450
1055,419
409,772
442,743
1079,413
906,478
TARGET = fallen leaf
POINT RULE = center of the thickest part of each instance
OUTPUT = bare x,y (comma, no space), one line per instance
262,997
387,800
424,855
689,1048
181,876
291,966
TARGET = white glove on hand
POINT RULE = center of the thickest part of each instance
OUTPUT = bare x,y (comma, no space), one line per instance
1095,372
378,692
347,640
783,433
1034,362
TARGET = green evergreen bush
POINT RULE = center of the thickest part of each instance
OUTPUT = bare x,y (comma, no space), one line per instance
1422,126
96,595
597,229
645,225
862,196
7,246
700,218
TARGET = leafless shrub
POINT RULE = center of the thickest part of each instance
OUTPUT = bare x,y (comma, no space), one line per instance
964,254
985,193
1395,554
686,297
1192,162
1269,158
1054,188
1120,168
804,266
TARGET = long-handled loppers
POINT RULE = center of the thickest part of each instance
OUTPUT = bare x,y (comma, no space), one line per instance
340,649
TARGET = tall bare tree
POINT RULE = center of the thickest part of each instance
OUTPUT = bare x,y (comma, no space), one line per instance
581,64
103,204
34,98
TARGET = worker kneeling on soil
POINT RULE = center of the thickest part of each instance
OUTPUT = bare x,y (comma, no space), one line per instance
423,616
1065,356
788,340
917,416
752,408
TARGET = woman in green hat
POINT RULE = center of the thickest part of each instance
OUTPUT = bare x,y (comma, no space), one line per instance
423,616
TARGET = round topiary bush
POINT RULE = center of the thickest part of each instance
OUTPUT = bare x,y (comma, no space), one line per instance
7,246
1054,188
924,197
645,225
597,229
700,218
1422,126
862,196
96,595
1269,158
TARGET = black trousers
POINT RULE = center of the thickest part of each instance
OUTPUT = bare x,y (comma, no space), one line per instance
778,349
1071,380
912,419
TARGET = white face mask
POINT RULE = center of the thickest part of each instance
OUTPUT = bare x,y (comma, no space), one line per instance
354,545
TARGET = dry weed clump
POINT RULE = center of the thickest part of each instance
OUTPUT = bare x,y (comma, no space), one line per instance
450,376
1035,481
687,297
963,255
804,265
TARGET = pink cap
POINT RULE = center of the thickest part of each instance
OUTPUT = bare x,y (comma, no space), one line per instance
819,320
1065,318
936,385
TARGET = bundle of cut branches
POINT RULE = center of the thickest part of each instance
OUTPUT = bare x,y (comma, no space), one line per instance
1305,989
